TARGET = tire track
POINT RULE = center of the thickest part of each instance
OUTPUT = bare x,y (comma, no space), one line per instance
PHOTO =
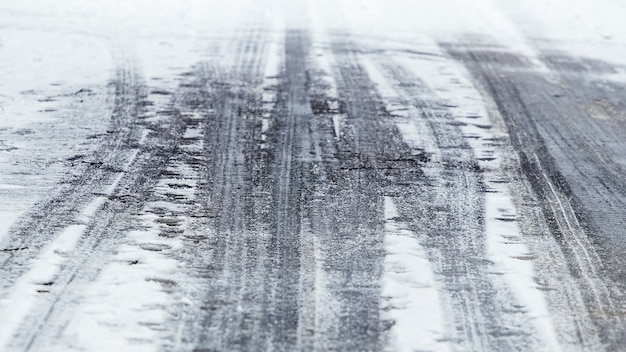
230,239
37,227
544,148
292,143
452,226
40,230
109,218
351,175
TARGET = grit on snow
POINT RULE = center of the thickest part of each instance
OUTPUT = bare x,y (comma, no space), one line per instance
310,175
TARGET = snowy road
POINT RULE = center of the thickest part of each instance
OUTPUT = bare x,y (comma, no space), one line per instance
191,175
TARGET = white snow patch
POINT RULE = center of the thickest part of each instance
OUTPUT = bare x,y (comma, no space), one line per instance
512,259
36,281
323,61
36,64
271,76
125,307
337,120
7,219
410,293
8,186
193,133
265,125
581,28
90,209
66,242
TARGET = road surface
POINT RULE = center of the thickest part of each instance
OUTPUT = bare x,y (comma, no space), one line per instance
312,175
